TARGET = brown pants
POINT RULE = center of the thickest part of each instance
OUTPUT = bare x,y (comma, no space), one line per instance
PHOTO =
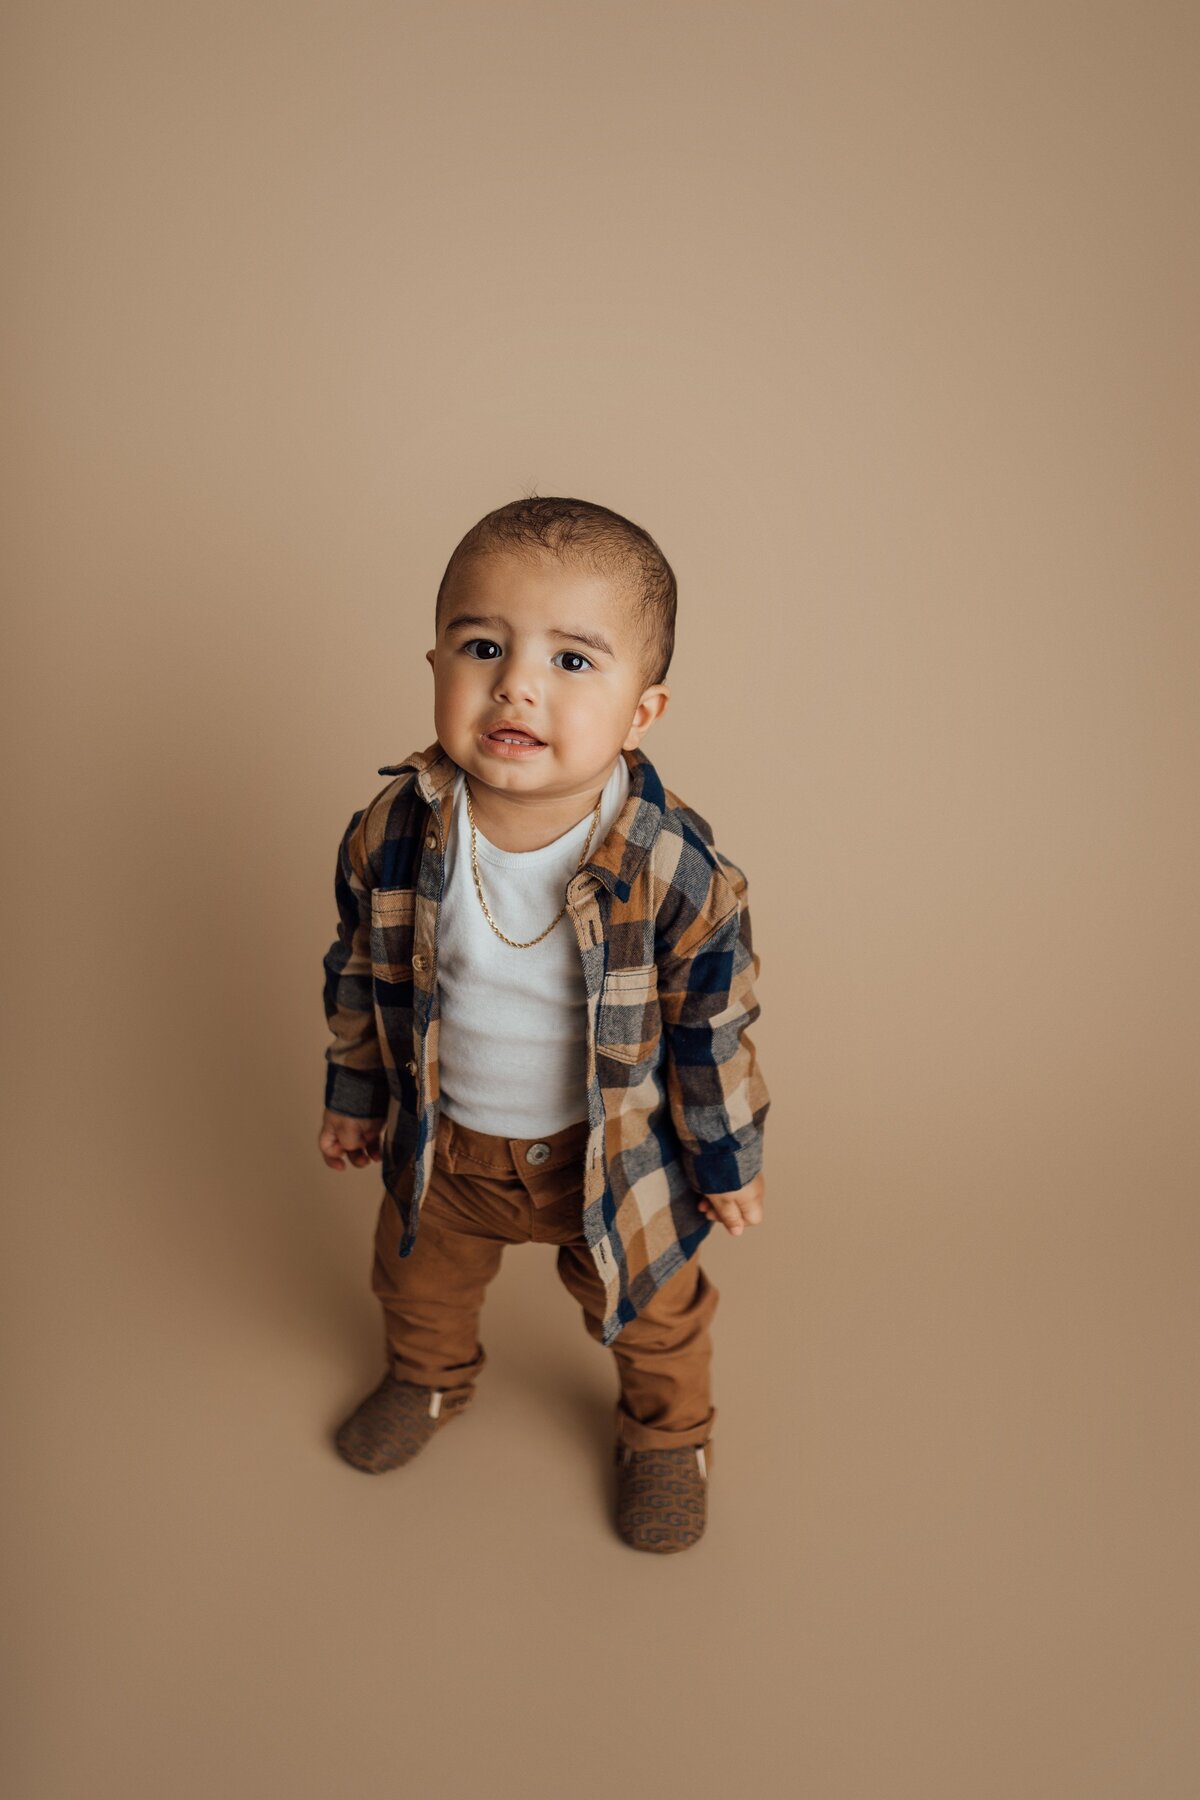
485,1192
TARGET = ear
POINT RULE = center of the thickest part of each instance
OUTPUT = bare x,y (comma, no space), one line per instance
650,707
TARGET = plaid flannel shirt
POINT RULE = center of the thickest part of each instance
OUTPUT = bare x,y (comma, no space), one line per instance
675,1099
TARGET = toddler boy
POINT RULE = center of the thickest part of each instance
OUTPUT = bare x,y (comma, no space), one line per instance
539,997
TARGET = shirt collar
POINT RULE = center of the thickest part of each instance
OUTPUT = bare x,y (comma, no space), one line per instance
616,861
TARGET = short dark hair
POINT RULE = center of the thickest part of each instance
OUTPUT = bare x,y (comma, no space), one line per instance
593,537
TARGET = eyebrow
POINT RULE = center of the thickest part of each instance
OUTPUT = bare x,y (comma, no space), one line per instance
591,638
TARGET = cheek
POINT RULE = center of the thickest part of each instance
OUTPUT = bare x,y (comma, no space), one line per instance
458,684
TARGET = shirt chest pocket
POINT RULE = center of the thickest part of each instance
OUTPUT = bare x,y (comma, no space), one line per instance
393,911
629,1024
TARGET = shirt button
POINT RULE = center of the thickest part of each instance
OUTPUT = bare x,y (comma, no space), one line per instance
418,962
537,1153
431,842
411,1067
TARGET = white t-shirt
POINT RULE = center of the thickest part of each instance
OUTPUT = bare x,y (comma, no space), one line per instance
512,1034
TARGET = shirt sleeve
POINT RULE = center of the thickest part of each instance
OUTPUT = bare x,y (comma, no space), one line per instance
718,1097
355,1077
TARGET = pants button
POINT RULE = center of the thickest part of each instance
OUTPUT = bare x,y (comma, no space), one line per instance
537,1153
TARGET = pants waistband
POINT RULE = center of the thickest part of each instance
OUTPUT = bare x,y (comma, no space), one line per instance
512,1155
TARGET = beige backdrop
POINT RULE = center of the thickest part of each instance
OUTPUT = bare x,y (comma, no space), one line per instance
881,319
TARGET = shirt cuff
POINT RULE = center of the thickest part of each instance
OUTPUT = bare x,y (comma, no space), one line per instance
359,1093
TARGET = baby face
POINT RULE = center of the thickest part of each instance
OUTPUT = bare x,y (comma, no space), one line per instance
550,647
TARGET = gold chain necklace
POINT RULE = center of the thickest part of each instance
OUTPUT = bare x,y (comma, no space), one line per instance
479,885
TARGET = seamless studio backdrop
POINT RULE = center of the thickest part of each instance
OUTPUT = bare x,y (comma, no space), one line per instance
881,320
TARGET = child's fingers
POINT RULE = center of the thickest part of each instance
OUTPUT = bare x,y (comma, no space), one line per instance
358,1142
358,1155
330,1148
337,1154
728,1215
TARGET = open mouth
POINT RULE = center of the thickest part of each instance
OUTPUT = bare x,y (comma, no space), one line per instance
512,743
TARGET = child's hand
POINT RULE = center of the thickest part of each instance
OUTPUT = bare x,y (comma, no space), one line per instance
357,1139
736,1210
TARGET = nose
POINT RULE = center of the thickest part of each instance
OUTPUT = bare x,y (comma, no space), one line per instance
516,684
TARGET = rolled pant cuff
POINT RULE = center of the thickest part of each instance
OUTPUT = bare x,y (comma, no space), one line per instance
652,1437
457,1384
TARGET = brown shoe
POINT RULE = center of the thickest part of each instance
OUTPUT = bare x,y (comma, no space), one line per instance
394,1421
662,1495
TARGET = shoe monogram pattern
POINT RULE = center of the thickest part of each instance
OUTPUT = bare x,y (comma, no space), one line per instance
662,1496
392,1424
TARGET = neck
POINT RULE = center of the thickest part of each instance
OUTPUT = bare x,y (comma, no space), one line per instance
528,822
